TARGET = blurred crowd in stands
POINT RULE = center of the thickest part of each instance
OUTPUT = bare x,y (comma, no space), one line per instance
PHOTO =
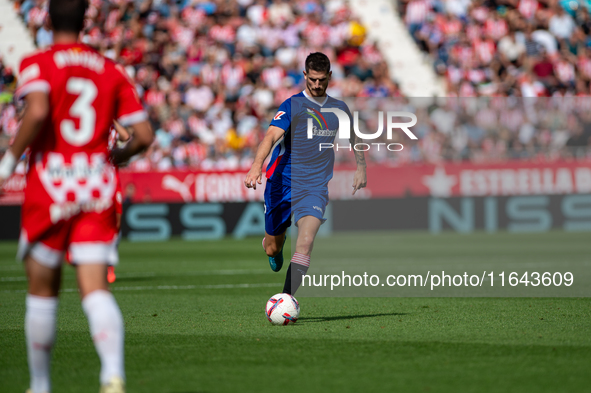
522,48
479,129
212,73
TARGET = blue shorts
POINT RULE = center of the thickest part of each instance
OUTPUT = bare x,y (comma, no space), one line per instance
279,206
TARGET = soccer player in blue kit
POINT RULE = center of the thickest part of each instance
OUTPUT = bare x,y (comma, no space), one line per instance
299,171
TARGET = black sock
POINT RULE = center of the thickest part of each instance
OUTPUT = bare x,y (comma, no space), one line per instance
294,280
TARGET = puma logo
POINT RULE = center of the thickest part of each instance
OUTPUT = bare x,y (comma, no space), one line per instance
171,183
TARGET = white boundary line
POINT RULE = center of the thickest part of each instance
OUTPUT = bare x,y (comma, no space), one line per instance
20,278
152,274
167,287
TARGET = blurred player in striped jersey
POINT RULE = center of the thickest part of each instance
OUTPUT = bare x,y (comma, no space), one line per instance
72,93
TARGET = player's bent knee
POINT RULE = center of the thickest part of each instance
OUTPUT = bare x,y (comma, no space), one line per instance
306,240
44,281
305,244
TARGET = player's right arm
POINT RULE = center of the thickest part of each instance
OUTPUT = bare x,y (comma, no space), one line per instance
34,88
280,123
255,174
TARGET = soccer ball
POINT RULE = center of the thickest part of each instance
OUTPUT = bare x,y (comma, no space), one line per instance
282,309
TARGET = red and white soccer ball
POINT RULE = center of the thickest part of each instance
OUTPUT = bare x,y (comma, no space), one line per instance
282,309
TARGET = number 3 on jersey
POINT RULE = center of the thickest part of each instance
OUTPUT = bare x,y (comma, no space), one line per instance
82,108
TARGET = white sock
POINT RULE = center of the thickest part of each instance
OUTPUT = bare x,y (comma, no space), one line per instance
40,321
106,328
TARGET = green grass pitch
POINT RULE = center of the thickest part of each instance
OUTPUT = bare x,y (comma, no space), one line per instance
194,319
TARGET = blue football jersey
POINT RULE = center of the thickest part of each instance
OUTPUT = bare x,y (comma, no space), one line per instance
297,160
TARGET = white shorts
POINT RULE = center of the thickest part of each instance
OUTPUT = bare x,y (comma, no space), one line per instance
77,253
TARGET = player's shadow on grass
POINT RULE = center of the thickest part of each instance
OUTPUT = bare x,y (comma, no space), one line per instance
344,317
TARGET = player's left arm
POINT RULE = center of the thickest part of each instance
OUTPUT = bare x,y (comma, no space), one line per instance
130,114
143,136
360,177
36,112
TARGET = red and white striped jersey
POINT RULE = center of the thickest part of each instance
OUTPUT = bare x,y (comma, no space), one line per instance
528,8
467,90
485,50
454,75
37,16
232,75
193,17
452,27
565,71
273,77
112,20
195,152
69,155
317,34
9,121
175,127
155,97
584,66
96,35
480,14
371,54
473,32
210,74
464,54
417,11
183,35
476,75
302,53
116,33
179,155
496,29
339,34
196,124
225,34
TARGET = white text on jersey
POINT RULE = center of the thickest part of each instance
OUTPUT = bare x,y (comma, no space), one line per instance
71,58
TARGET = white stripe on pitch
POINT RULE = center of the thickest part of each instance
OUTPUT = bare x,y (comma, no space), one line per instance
152,274
13,279
168,287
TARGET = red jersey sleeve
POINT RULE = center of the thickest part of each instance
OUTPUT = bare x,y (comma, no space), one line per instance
129,108
32,76
118,194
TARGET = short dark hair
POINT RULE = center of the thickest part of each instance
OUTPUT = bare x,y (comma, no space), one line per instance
317,62
67,15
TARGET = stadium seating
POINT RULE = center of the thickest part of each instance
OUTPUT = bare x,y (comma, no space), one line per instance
522,48
212,73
